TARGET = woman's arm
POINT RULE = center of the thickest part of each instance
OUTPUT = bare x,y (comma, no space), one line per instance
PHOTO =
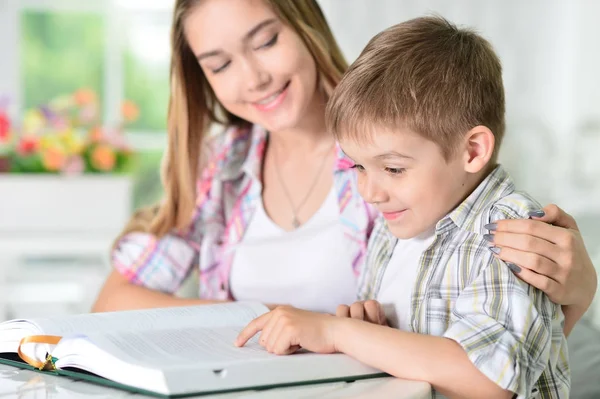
550,255
119,294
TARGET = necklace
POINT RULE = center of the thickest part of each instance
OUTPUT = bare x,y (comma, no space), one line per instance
296,209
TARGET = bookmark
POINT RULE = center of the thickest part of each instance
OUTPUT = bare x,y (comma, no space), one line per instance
48,363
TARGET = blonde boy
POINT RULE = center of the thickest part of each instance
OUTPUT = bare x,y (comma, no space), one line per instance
421,113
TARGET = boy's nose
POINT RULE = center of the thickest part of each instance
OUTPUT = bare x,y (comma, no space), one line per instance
371,191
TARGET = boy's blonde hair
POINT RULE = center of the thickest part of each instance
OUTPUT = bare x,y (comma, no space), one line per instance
426,75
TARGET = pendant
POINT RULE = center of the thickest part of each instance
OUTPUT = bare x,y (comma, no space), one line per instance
295,222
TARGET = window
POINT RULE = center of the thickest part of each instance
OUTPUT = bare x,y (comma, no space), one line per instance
146,59
61,52
117,48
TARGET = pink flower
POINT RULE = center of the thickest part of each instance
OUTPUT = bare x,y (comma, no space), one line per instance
74,166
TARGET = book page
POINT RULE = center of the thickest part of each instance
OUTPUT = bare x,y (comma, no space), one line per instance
167,348
220,315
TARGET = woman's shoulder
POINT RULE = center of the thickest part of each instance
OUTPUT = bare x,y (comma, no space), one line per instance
227,150
221,141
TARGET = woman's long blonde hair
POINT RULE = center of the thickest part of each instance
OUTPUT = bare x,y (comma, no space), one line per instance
193,108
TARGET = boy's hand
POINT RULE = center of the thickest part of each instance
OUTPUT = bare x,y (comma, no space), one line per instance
286,329
371,311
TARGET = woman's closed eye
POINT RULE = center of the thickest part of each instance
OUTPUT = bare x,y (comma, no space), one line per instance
270,43
221,68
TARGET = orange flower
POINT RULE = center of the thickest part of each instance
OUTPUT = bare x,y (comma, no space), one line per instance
130,111
84,96
96,135
53,159
103,158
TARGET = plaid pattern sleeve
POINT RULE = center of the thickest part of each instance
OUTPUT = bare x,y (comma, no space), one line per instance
511,332
159,264
163,264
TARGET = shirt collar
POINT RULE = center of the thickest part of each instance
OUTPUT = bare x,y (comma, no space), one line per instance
496,185
243,153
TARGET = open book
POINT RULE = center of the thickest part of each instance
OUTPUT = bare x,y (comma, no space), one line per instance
170,352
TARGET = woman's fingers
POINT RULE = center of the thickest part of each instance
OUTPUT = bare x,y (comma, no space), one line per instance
525,243
534,262
541,282
529,227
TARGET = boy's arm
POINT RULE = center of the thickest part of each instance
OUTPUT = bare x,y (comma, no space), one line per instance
440,361
437,360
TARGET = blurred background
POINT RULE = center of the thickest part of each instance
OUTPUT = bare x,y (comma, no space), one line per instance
101,68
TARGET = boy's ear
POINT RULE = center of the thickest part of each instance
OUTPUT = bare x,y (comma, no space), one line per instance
479,145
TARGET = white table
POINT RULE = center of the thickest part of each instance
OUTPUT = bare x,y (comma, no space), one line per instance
26,384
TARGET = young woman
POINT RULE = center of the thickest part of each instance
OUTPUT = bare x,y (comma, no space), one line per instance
275,215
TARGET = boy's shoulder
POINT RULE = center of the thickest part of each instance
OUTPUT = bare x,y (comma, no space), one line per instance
516,205
496,198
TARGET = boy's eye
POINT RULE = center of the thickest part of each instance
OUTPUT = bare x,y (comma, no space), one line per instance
271,42
395,171
358,167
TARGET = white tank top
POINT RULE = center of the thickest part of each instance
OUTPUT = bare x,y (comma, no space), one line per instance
308,268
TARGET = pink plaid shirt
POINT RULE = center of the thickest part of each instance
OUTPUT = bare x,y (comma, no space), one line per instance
228,191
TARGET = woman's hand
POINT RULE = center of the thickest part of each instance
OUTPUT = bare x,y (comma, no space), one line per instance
548,252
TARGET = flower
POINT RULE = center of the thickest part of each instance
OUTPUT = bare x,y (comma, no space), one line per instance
95,135
4,127
33,121
28,145
66,136
54,159
129,111
103,157
88,114
74,166
84,96
73,143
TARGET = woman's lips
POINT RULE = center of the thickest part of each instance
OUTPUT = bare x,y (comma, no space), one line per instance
273,101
